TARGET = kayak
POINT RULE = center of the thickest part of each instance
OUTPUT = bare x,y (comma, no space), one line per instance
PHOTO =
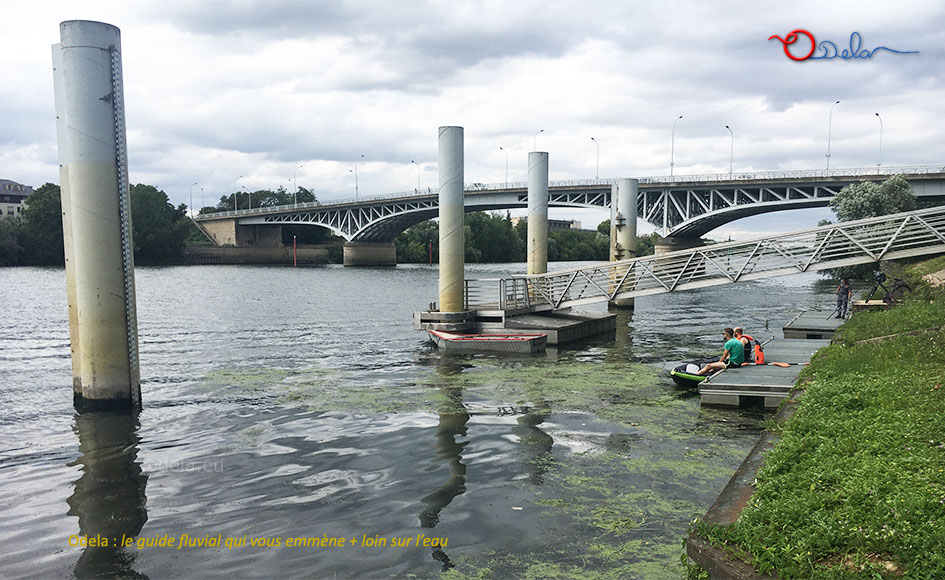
684,375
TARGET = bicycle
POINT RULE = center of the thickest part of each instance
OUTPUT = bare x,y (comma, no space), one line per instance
893,294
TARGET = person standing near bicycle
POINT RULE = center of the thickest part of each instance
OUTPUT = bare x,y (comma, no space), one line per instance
844,293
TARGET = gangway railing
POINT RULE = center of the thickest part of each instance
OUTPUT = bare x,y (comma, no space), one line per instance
901,235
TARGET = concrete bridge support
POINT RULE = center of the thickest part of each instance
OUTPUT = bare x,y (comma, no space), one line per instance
667,245
370,254
228,232
537,256
97,216
623,232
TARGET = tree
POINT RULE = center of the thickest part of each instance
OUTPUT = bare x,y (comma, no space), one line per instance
41,234
10,249
158,228
867,199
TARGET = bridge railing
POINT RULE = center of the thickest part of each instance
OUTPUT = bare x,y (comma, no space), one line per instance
496,294
864,241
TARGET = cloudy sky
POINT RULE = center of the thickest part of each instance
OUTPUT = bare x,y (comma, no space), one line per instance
272,90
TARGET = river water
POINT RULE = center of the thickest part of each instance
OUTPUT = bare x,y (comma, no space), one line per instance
286,403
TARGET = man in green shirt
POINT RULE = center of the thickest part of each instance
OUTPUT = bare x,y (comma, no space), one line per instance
732,357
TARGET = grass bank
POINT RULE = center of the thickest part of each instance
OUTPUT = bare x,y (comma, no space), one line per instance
855,488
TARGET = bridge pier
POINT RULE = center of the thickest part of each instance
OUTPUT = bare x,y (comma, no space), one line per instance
370,254
667,245
227,232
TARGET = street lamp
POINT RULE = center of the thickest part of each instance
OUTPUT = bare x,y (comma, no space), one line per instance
672,148
731,153
295,196
203,204
829,126
535,144
418,174
235,191
597,172
880,160
192,197
506,167
356,177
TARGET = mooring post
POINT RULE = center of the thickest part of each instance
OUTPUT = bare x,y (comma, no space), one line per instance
537,212
624,230
452,250
97,215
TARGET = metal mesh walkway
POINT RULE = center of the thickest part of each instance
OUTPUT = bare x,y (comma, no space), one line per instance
858,242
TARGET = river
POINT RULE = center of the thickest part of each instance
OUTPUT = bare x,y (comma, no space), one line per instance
284,403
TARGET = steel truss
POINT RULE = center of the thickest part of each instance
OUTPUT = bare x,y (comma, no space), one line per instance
858,242
690,206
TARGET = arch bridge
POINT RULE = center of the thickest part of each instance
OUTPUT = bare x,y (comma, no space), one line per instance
683,208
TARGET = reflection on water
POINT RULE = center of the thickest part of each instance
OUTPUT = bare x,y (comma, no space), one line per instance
323,412
109,497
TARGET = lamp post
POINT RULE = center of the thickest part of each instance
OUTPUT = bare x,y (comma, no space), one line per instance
672,148
731,152
506,167
235,191
192,214
356,176
535,143
597,171
418,174
295,186
203,204
829,126
879,161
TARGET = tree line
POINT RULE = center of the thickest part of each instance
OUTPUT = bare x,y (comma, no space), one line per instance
161,230
491,237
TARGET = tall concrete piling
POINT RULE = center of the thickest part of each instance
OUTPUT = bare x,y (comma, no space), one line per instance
537,247
452,250
96,216
624,229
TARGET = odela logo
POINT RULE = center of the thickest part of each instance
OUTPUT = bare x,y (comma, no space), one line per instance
806,45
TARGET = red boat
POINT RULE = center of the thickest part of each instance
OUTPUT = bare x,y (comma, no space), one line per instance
514,343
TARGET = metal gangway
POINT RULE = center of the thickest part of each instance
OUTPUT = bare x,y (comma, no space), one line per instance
865,241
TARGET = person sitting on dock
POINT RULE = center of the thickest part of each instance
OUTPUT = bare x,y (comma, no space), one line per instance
732,357
753,353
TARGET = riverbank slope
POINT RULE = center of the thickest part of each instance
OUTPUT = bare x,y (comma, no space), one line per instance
855,487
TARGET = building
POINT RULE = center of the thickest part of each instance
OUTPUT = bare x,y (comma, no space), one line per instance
12,197
553,225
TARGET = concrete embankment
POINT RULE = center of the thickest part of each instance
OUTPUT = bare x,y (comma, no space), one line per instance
251,255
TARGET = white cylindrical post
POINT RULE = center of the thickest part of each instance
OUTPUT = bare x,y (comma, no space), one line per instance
537,212
97,224
452,249
624,232
67,227
627,190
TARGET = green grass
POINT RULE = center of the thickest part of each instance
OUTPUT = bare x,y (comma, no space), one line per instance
855,488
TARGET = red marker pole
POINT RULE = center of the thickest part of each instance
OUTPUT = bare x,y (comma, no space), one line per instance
295,254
